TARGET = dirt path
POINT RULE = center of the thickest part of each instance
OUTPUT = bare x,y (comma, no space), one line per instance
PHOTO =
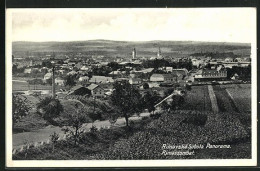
43,135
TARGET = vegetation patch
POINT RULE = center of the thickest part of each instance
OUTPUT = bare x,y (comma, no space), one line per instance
197,99
144,139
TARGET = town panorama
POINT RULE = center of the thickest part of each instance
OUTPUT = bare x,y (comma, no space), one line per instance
120,100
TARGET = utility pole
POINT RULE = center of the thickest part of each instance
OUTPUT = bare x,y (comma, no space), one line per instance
94,104
53,82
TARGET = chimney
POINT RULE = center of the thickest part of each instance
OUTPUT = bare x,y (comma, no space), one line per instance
53,82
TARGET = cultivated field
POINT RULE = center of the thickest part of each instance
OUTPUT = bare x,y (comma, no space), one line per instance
197,99
241,96
230,98
225,103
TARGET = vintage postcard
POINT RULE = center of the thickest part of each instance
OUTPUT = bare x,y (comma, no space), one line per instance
131,87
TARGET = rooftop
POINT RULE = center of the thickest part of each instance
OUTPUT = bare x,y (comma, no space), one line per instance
92,86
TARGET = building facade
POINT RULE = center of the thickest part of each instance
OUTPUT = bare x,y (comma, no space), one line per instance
211,74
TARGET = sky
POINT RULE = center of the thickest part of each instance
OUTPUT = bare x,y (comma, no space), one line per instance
190,24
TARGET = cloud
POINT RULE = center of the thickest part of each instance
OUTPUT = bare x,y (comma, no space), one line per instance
207,24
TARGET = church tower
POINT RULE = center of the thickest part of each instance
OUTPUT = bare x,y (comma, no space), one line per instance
159,53
134,54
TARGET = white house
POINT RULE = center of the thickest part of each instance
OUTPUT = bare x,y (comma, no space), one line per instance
135,80
27,70
168,78
96,91
47,76
157,78
101,79
72,73
83,78
228,59
211,74
84,68
59,81
168,69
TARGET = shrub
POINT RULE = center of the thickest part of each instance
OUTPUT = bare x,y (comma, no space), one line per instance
54,138
50,108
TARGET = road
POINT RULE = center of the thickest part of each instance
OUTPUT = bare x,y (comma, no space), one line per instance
43,135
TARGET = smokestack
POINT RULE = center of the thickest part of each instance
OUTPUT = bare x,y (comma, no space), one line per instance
53,83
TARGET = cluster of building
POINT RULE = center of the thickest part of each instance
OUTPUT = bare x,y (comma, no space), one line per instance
99,86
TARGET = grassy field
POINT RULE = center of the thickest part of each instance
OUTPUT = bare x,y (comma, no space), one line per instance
34,121
197,99
24,86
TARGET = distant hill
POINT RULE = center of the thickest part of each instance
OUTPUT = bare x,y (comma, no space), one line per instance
124,48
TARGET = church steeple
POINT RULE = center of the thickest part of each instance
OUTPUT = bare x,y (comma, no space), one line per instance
159,53
134,53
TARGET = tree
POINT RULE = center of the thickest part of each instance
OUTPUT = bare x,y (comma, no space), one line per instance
165,106
146,86
75,121
70,80
54,138
114,65
168,92
150,100
109,113
14,69
20,107
47,64
127,99
50,108
176,102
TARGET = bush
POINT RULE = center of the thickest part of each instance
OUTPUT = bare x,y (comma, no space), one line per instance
50,108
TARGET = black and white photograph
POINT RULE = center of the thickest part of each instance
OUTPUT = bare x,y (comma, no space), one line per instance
131,87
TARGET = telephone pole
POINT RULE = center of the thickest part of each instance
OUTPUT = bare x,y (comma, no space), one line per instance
53,82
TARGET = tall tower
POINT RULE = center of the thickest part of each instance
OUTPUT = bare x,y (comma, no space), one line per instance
31,63
159,53
53,83
134,54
